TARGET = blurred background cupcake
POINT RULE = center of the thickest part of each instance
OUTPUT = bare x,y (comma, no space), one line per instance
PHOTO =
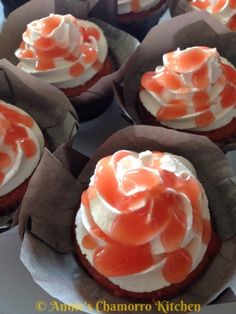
137,17
186,83
21,147
223,10
33,115
58,43
134,16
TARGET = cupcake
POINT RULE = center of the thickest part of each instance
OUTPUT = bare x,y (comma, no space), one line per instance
21,146
137,16
69,53
144,197
60,44
33,114
188,83
222,10
143,228
194,90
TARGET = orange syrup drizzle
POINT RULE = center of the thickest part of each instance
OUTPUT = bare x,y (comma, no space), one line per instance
15,134
127,250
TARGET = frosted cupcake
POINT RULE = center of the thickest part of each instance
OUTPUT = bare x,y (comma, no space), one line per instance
194,90
69,53
143,228
222,10
139,16
21,147
60,42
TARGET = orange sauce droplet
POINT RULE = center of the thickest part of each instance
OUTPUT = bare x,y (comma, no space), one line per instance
149,82
90,32
5,160
28,147
137,228
49,24
44,64
232,23
176,109
232,4
44,43
230,73
112,261
169,80
200,4
71,58
89,242
27,53
189,60
175,231
201,101
135,5
22,45
15,117
218,6
228,96
89,54
200,78
205,119
76,69
178,266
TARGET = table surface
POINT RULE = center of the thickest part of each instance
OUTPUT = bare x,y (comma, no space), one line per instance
18,292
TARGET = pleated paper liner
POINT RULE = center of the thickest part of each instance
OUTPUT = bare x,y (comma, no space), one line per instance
96,98
191,29
48,106
47,223
179,7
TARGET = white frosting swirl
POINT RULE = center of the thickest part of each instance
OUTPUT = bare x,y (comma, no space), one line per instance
62,50
157,168
190,91
127,6
222,10
21,146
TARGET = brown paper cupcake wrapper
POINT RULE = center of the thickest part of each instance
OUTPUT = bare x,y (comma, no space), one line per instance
178,7
5,222
44,103
121,44
46,223
192,29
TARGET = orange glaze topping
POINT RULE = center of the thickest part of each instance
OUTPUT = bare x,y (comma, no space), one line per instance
135,6
200,4
185,77
216,7
12,129
126,249
46,49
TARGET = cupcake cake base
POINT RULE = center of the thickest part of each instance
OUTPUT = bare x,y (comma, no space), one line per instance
10,201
